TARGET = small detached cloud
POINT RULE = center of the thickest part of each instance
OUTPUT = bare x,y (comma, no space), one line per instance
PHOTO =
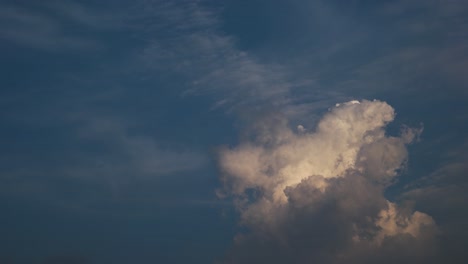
318,196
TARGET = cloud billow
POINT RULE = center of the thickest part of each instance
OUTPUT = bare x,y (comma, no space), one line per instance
318,197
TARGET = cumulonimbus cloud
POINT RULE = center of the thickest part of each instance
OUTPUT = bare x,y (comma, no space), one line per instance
319,196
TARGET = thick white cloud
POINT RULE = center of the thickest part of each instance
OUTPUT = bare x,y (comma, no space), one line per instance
318,195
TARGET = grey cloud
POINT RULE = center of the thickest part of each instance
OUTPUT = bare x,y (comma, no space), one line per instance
323,227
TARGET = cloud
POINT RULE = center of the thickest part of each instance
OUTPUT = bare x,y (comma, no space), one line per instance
442,193
85,16
47,27
142,154
108,162
187,42
318,196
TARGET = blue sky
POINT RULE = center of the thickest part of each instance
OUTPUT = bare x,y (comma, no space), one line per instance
124,124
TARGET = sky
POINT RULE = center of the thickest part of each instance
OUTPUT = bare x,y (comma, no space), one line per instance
231,131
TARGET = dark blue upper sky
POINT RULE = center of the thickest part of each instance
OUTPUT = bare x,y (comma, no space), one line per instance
113,112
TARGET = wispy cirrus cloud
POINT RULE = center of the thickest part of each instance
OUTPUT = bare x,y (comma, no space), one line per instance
186,40
138,155
442,191
53,26
93,18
